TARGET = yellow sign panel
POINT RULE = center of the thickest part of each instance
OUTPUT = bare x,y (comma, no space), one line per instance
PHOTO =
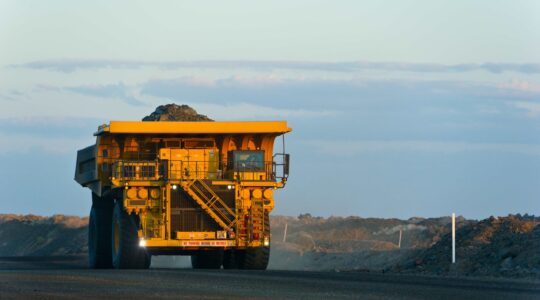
189,235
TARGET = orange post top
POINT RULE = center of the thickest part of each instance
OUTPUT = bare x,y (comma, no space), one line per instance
276,127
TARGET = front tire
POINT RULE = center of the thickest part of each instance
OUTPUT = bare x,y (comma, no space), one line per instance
255,258
126,252
99,235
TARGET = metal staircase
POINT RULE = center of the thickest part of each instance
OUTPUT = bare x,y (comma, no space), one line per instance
211,203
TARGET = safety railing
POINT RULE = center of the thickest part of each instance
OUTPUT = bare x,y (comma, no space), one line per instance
280,166
134,170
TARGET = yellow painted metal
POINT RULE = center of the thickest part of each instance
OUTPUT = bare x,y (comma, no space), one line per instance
154,193
223,182
262,184
195,235
167,200
268,193
257,193
277,127
142,193
191,163
257,176
193,244
131,193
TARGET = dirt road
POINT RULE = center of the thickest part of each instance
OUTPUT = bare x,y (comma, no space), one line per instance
67,278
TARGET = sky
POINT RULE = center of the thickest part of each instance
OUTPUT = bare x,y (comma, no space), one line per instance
398,108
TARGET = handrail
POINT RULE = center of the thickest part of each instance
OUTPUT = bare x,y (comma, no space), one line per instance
151,170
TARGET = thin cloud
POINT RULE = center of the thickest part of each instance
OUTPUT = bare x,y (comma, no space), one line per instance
352,148
119,91
48,127
429,96
521,86
12,95
532,108
69,66
242,111
17,144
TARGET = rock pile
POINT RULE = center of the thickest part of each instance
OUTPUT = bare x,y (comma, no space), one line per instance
42,236
174,112
505,246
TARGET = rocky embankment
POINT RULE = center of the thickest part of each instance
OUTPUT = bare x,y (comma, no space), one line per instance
505,246
31,235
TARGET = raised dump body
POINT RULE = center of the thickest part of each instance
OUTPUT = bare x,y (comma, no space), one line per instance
203,189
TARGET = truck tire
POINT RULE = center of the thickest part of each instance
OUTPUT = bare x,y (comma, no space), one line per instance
231,259
256,258
207,259
126,252
99,237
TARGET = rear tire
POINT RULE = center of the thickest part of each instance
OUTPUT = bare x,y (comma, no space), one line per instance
99,235
126,252
207,259
231,259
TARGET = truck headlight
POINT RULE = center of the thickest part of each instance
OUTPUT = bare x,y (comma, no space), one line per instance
142,243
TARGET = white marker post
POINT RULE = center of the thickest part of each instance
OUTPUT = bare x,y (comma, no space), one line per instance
285,233
453,238
399,243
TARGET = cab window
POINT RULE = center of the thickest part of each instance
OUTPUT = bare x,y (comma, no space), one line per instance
247,160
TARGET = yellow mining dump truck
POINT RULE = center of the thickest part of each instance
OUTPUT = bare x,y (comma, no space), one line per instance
203,189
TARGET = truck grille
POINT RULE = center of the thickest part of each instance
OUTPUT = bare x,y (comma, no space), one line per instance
186,215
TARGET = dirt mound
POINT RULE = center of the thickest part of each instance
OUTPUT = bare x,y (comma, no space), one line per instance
31,235
505,246
174,112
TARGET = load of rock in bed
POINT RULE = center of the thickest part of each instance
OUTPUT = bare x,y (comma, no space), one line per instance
174,112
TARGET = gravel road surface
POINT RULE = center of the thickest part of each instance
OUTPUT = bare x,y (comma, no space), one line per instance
67,278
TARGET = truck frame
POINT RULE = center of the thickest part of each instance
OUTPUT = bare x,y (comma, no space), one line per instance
203,189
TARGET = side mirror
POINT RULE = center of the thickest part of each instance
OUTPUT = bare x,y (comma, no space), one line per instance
286,160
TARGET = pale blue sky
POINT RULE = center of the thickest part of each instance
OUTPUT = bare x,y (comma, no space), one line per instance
399,108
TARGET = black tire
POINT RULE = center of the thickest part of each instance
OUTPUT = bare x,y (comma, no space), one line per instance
99,235
210,259
231,259
255,258
126,252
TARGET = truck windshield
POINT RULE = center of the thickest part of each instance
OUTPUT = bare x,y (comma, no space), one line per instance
249,160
